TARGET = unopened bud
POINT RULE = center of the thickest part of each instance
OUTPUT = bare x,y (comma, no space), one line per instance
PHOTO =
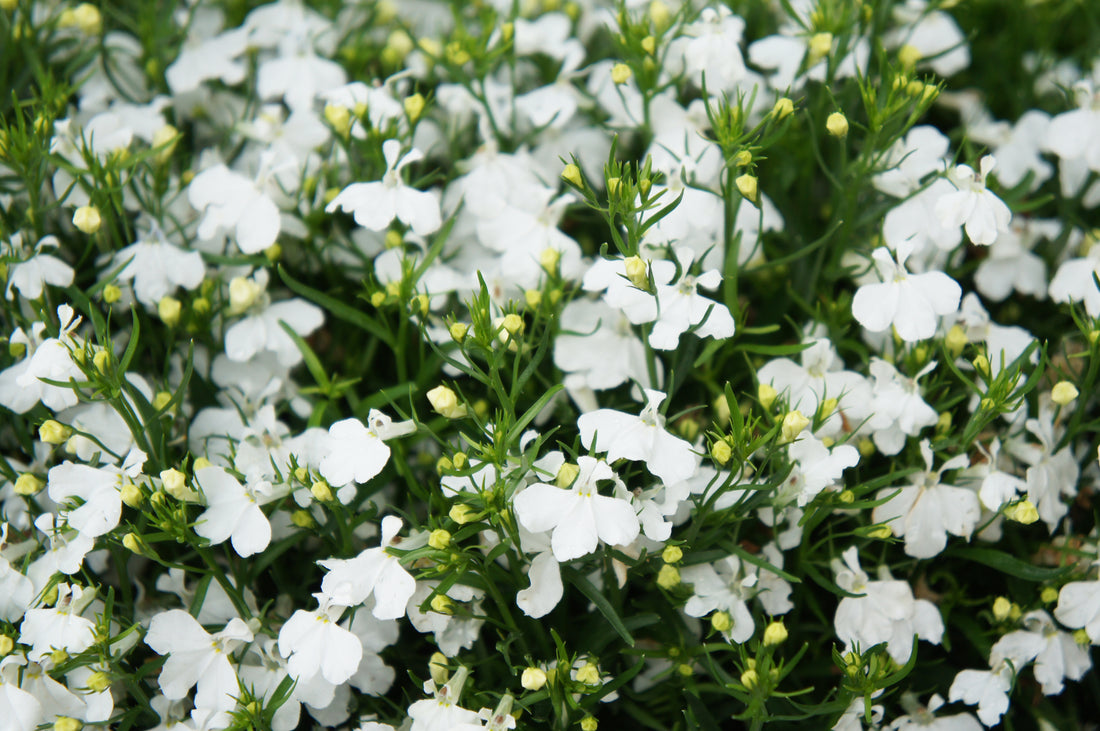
782,108
533,678
721,451
87,219
168,309
437,667
549,259
302,519
27,484
445,402
589,723
458,331
439,539
750,679
566,474
747,185
668,577
621,73
766,394
1002,607
775,634
908,56
1049,595
442,604
414,106
671,554
321,491
793,424
721,621
65,723
572,175
1063,393
588,674
54,432
819,47
132,495
462,513
1022,512
339,117
637,272
837,125
98,681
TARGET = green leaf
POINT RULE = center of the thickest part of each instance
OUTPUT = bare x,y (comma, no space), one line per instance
337,308
313,363
1008,564
531,413
596,597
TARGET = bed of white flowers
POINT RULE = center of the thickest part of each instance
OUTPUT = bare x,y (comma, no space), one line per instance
549,364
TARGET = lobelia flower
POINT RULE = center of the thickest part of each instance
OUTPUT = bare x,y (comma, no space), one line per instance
374,572
21,386
974,207
195,657
908,302
1051,475
230,201
375,205
1079,607
442,712
639,438
987,689
926,510
260,330
815,467
723,586
156,267
1075,135
232,512
317,648
886,611
97,489
923,717
579,516
356,453
897,409
59,627
680,307
1056,654
1074,282
32,275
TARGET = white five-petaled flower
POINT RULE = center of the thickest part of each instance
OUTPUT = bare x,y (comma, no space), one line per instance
580,517
374,571
232,512
973,206
909,302
356,453
320,654
639,438
376,204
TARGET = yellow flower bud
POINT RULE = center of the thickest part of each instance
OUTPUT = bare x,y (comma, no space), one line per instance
566,474
613,186
721,621
956,340
649,44
819,47
442,604
458,331
439,539
1081,637
87,219
747,185
908,56
65,723
161,400
164,141
27,484
837,125
175,484
98,681
750,679
1002,607
881,532
588,723
533,678
513,324
9,4
111,294
533,298
378,299
721,451
793,424
168,309
637,272
775,634
782,108
1022,512
588,674
1049,595
437,666
671,554
133,544
847,497
414,106
981,365
339,117
621,73
445,402
302,519
549,259
668,577
132,495
462,513
54,432
659,15
6,645
572,175
866,447
101,360
321,491
1064,393
742,158
766,395
203,462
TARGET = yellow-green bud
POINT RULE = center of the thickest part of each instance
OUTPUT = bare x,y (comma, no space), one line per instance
111,294
437,667
956,340
513,324
54,432
566,474
846,496
533,678
1049,595
668,577
981,365
637,271
27,484
775,634
414,107
750,679
133,543
613,185
649,44
881,532
533,298
589,723
87,219
1023,512
671,554
572,175
101,360
820,45
866,447
782,108
6,645
1081,637
721,621
837,125
908,56
458,331
793,424
549,258
132,495
1063,393
168,309
659,15
439,539
1002,607
444,401
462,513
65,723
161,400
321,491
766,395
243,293
378,299
302,519
588,674
339,117
747,185
98,681
621,73
721,451
442,603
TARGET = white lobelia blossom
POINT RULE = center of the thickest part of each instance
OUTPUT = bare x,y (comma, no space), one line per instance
1074,281
597,348
909,161
355,453
923,717
230,201
926,510
156,267
711,46
1056,654
579,516
639,438
814,468
441,712
195,657
1051,475
259,330
680,307
59,627
375,205
986,689
973,206
31,275
1011,263
20,709
897,409
319,649
374,572
723,586
910,303
21,385
233,511
1079,607
884,611
1075,135
97,489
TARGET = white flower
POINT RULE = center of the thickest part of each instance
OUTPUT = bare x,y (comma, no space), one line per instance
886,611
926,510
722,586
1073,282
1075,135
1079,607
639,438
442,712
897,408
259,330
31,276
987,689
981,213
197,657
580,517
100,505
232,512
909,302
317,648
815,467
680,307
229,201
356,453
373,572
1055,653
546,589
157,267
376,204
59,627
